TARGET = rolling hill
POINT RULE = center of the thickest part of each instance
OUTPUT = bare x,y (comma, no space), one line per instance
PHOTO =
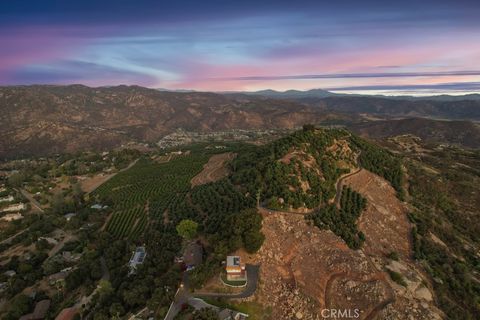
397,107
39,120
463,133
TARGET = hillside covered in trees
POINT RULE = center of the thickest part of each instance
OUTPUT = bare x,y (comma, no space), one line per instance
300,170
153,204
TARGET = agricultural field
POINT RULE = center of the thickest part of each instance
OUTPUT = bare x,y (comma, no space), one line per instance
146,190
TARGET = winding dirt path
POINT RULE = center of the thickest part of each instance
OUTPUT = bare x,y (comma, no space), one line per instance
339,185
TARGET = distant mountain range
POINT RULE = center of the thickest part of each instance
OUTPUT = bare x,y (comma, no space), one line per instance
41,119
54,119
294,94
320,93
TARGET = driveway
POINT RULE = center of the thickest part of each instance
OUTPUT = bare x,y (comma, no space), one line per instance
183,295
252,282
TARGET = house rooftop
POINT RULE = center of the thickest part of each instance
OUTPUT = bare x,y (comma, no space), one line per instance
137,258
57,276
228,314
69,216
233,261
10,273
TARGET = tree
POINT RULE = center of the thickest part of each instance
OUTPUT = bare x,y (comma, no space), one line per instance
116,310
58,203
20,306
308,127
253,240
77,193
105,291
16,179
205,314
187,229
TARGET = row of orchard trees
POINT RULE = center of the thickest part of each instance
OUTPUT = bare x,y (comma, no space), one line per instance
343,221
147,187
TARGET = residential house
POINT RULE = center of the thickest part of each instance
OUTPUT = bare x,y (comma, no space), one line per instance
10,273
15,207
227,314
57,278
235,269
12,217
69,216
98,207
9,198
138,257
68,256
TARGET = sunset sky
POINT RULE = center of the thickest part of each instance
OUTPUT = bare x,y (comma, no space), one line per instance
392,47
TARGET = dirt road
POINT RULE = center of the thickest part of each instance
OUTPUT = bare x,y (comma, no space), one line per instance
100,182
214,169
13,236
35,203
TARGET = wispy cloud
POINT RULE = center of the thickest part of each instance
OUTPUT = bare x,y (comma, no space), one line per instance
358,75
451,86
240,45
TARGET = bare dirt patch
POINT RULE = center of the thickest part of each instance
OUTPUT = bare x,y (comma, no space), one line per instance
302,269
387,229
384,222
91,183
215,169
305,270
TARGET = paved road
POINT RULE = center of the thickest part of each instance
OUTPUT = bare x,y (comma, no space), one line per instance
252,274
183,296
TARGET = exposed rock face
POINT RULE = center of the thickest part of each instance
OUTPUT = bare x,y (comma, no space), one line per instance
305,270
50,119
